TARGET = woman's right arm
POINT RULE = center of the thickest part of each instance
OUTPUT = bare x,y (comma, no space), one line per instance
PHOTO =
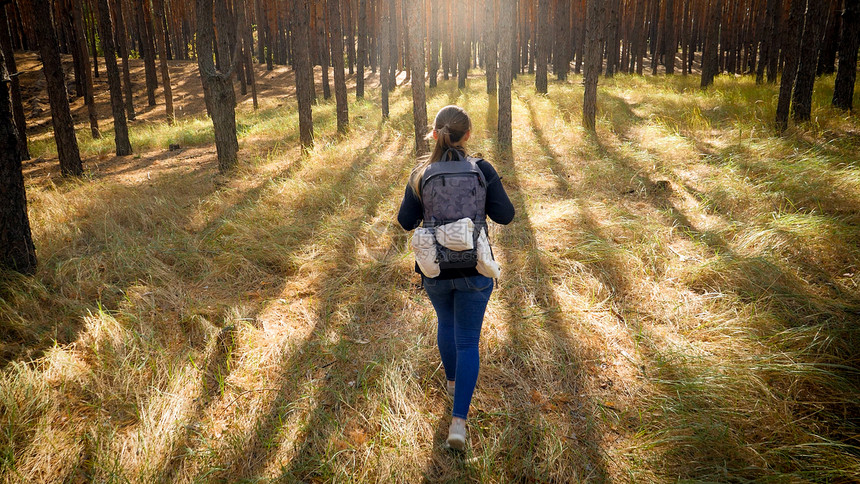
411,212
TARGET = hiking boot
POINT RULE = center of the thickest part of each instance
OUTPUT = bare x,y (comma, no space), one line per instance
457,434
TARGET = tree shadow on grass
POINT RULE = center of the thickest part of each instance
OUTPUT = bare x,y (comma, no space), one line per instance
253,452
541,343
702,435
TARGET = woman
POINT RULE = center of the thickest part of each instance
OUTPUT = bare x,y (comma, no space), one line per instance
460,295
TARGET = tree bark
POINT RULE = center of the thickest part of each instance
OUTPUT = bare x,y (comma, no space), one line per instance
81,54
11,67
816,20
162,54
593,60
120,128
304,71
791,48
490,45
416,61
434,20
148,50
506,47
846,75
336,42
384,52
542,48
219,89
460,31
61,116
122,42
561,49
711,53
669,44
247,49
612,36
362,48
17,251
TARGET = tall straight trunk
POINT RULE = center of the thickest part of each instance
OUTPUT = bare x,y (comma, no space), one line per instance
61,116
122,42
362,48
17,251
843,92
148,50
260,19
791,48
776,51
816,21
304,71
490,44
393,44
447,44
247,48
350,35
593,60
669,45
506,50
336,42
93,48
543,46
768,40
323,48
120,128
561,56
219,87
710,55
830,42
460,31
384,52
655,35
81,54
637,44
416,60
11,66
161,37
435,21
74,40
612,27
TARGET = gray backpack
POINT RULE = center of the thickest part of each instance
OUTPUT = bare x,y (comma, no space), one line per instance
452,190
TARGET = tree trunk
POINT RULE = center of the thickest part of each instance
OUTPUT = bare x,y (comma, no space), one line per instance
490,45
561,55
612,37
774,50
219,88
460,31
791,48
843,92
61,116
362,48
416,61
669,44
247,49
711,53
384,52
81,46
350,35
336,42
120,128
17,251
542,47
11,66
304,71
830,43
162,54
506,50
816,20
122,42
148,50
434,20
593,60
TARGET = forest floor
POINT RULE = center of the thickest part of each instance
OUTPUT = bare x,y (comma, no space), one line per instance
679,301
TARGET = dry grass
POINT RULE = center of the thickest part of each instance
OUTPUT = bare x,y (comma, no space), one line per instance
679,301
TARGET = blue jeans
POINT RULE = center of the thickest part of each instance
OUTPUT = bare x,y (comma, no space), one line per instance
460,305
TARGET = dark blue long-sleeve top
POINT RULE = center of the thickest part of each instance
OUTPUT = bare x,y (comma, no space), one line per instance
499,208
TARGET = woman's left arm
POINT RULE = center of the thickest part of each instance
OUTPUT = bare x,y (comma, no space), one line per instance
411,211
